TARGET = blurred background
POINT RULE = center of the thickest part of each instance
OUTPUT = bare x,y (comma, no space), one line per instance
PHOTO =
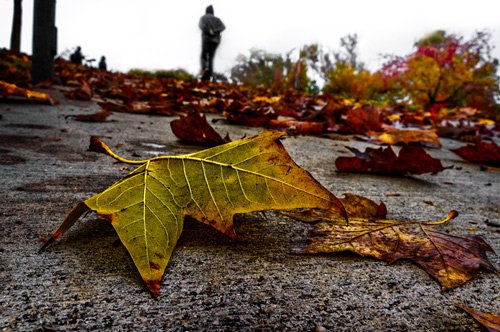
155,34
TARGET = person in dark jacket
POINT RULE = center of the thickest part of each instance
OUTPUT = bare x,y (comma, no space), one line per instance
211,28
102,63
77,56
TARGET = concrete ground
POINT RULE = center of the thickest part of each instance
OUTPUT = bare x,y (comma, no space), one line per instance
87,281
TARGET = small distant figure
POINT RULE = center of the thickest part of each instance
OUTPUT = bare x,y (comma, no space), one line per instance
77,56
102,63
211,28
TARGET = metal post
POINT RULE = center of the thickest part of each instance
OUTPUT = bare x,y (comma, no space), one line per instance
44,40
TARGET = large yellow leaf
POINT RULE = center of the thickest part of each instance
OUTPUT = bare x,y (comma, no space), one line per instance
148,207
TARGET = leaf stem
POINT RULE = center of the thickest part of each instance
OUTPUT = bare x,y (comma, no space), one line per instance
453,214
97,145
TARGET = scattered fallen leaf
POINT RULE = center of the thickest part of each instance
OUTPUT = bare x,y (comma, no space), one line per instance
7,89
298,127
194,128
411,160
480,152
489,321
94,117
451,259
83,92
431,203
147,208
426,138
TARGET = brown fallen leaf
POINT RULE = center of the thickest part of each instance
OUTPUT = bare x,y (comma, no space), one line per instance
426,138
480,152
83,92
147,208
194,128
7,89
451,259
489,321
298,127
94,117
411,160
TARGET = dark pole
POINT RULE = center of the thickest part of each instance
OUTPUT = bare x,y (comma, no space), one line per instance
15,37
44,40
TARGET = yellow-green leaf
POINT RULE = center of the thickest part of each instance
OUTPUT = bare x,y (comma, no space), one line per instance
148,207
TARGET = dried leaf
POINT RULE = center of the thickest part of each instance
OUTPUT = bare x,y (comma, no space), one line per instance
83,92
361,120
194,128
147,208
480,152
7,89
298,127
489,321
411,160
94,117
452,260
426,138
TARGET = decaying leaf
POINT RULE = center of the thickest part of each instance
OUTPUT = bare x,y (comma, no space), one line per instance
7,89
427,138
83,92
292,127
147,208
489,321
94,117
451,259
480,152
411,160
194,128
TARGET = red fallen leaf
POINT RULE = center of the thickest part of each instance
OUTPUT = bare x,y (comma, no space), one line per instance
194,128
298,127
331,113
250,115
84,92
451,259
489,321
94,117
426,138
112,106
480,152
361,120
7,89
411,160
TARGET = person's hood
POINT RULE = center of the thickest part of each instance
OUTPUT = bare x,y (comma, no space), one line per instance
209,10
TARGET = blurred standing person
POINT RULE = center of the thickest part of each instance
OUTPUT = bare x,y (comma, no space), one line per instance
102,63
77,56
211,28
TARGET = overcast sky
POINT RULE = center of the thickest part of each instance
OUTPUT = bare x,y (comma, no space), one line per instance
162,34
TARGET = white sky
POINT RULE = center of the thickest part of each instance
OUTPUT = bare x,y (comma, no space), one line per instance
163,34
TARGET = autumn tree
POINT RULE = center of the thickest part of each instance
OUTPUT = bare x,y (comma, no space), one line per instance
273,71
15,38
344,74
447,71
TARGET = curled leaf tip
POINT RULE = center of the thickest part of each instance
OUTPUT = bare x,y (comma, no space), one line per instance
453,214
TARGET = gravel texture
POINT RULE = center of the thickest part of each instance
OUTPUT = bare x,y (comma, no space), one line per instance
87,281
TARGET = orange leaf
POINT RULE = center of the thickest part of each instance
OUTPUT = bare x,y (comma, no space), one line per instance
491,322
427,138
7,89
